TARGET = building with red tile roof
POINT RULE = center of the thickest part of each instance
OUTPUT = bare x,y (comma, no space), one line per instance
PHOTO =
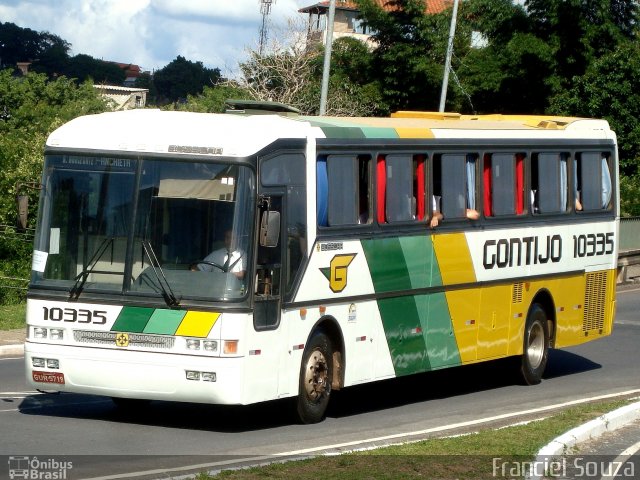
346,21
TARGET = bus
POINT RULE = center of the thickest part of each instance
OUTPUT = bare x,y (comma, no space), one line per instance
256,255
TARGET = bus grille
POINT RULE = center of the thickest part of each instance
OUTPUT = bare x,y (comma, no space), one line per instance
516,297
135,339
594,302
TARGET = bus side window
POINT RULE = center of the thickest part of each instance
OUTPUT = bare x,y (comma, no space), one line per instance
322,192
399,195
419,189
343,192
593,181
347,190
286,168
503,179
549,183
453,184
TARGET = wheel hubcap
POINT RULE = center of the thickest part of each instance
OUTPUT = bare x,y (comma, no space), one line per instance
316,375
535,347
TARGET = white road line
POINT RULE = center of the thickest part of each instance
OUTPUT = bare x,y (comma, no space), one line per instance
2,359
628,291
270,458
621,461
201,466
454,426
27,392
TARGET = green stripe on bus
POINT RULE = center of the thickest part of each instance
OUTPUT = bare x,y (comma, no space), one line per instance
406,343
421,262
442,347
341,132
418,328
132,319
387,264
164,322
379,132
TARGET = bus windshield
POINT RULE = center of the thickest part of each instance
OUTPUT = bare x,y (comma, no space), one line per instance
147,227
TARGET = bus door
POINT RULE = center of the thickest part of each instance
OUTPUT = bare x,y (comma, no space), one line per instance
269,263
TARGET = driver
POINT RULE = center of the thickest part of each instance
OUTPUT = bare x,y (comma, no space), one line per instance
224,259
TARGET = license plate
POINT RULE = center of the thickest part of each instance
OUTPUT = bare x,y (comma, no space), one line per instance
48,377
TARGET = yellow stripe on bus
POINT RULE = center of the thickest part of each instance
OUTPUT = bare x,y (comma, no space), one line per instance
413,132
454,262
197,324
454,258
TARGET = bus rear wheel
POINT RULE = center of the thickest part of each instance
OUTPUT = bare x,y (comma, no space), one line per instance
316,372
535,351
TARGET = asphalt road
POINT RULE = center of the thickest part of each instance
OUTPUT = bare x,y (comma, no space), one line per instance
102,441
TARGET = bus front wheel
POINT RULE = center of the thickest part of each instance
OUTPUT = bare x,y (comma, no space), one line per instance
316,373
536,346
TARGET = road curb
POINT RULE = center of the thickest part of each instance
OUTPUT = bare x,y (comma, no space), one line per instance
565,443
12,350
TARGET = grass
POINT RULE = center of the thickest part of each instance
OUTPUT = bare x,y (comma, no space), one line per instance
12,316
463,457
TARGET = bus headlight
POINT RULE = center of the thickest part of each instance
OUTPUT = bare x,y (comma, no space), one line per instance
56,334
53,363
38,362
193,344
210,346
40,333
208,376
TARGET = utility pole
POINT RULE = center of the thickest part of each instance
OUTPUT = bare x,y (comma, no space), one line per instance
265,10
447,63
327,58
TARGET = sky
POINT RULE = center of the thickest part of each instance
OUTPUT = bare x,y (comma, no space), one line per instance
152,33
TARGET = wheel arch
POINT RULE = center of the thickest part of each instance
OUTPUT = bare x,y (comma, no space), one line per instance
544,298
330,327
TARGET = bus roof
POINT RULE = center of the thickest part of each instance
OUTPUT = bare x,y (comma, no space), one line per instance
453,125
243,135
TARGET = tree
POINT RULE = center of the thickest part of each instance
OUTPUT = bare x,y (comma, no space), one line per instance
48,52
410,52
212,99
580,31
290,72
84,67
279,77
181,78
610,89
31,107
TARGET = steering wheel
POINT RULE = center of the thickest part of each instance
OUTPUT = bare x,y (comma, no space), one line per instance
205,262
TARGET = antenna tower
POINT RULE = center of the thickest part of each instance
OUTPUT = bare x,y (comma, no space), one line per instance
265,10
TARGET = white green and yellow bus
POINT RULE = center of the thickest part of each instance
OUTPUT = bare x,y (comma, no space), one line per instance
250,256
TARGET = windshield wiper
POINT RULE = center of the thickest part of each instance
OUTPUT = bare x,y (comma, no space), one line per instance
167,293
82,277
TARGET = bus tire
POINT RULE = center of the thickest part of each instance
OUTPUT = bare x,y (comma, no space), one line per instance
316,372
535,351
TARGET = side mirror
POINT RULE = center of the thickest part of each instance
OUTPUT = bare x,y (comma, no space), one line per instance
270,228
22,203
23,210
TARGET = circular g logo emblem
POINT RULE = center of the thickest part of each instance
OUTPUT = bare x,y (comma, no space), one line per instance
122,339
